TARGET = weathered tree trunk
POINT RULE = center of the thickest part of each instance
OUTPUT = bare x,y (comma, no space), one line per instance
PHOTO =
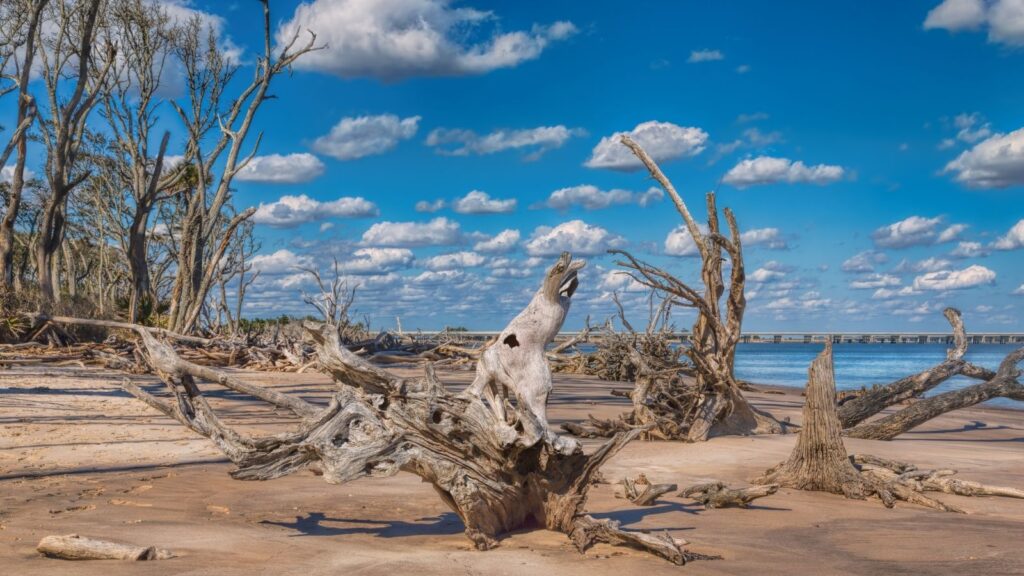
75,547
1004,384
871,402
819,461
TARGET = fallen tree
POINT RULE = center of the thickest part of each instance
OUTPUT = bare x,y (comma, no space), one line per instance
859,406
713,404
483,467
819,461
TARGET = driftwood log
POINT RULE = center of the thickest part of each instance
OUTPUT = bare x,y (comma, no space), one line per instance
717,495
75,547
495,478
819,462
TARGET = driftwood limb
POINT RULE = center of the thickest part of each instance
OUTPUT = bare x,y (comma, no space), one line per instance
717,495
641,491
1004,383
75,547
869,402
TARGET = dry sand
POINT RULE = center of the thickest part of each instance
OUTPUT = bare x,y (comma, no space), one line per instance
78,455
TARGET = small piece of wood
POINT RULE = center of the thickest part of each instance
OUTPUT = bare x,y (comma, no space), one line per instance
641,491
718,495
75,547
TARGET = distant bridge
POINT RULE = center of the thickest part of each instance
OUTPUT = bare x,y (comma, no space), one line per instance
803,337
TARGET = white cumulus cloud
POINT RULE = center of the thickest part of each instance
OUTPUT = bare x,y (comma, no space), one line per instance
290,211
916,231
283,261
437,232
663,141
454,261
874,281
278,169
591,197
1013,239
1003,19
575,236
770,170
362,136
767,237
864,261
538,140
504,241
679,242
975,275
477,202
395,39
996,162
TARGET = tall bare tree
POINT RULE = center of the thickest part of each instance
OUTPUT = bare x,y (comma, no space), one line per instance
72,90
19,30
144,34
205,231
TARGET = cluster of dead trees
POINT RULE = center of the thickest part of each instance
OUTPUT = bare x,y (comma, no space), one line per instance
122,218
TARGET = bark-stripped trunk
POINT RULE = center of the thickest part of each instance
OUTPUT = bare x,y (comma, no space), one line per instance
819,461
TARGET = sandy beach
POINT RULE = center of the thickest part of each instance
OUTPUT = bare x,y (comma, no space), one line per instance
78,455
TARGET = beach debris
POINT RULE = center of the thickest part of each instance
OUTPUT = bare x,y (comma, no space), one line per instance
717,494
498,474
641,491
75,547
819,461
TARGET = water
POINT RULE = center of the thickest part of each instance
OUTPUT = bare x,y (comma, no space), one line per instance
860,365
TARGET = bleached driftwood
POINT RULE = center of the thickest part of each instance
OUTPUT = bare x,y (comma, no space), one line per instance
377,424
75,547
717,495
517,361
641,491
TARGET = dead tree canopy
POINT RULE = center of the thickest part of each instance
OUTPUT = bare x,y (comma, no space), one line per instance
855,411
819,461
713,404
378,424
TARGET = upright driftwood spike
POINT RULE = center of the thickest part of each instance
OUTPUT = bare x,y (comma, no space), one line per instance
493,476
819,461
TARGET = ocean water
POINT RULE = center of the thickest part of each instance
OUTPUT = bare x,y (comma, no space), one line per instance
860,365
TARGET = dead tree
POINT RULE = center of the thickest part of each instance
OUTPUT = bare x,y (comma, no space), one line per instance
144,34
819,461
377,424
20,29
1004,383
203,219
714,404
869,402
63,130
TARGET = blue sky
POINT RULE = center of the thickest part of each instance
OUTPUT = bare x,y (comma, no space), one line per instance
873,151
